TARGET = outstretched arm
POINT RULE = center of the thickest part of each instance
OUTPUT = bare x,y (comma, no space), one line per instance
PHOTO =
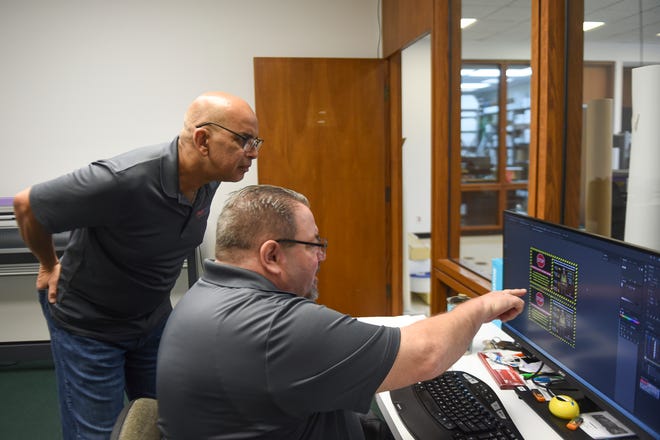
430,346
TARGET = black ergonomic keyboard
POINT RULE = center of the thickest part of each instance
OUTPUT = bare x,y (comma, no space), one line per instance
454,405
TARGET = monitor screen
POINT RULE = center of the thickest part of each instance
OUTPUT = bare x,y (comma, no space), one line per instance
592,312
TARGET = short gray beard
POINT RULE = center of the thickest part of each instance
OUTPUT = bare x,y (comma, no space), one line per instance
312,295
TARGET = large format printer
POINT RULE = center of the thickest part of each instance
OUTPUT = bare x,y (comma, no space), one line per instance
23,331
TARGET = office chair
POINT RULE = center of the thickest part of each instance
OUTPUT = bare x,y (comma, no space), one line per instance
137,421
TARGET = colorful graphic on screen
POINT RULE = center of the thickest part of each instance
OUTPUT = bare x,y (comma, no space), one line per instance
553,283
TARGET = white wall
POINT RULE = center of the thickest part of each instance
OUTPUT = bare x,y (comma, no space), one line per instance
416,154
87,79
416,129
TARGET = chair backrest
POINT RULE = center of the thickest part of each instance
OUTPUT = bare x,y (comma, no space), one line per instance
137,421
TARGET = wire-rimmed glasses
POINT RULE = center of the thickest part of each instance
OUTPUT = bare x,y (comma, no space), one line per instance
249,143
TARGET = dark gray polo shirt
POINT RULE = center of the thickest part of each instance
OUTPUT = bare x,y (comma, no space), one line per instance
241,359
131,231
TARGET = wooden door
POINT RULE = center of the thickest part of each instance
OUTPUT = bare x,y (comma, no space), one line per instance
324,122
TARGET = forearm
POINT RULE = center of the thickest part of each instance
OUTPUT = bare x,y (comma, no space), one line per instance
450,335
430,346
38,240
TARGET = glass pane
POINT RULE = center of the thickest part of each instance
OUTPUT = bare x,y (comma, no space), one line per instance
479,208
480,85
626,40
518,108
478,252
516,200
499,39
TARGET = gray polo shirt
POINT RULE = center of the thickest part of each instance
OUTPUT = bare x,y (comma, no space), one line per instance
131,232
241,359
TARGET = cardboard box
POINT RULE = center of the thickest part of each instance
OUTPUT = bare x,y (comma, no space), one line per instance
418,248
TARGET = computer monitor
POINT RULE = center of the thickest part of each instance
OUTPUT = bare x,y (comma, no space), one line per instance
592,313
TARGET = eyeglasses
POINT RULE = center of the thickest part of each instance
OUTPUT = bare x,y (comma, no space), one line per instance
250,144
322,244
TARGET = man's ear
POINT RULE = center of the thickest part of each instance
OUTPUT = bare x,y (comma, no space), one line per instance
200,139
271,256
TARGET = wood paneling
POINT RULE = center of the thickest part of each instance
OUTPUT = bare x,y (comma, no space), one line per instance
459,279
396,182
556,124
404,21
445,156
574,55
325,126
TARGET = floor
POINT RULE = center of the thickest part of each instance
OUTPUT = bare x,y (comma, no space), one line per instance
477,253
28,408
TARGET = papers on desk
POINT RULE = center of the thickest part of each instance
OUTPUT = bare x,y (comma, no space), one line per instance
602,425
506,377
533,367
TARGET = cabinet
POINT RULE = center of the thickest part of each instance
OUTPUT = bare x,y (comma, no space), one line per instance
495,137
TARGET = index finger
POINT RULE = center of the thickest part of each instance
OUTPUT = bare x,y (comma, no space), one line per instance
516,292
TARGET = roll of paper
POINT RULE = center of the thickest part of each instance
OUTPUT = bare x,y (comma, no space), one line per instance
643,205
583,166
598,168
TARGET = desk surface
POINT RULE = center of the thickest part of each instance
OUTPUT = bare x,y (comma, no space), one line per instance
530,425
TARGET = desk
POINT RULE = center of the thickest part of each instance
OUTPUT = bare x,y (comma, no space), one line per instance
530,425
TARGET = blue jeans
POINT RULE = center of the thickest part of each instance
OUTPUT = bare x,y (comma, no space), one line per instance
92,376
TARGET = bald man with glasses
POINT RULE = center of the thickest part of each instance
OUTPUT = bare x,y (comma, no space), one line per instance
134,219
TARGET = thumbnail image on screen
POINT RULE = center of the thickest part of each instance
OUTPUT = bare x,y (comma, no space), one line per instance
553,299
